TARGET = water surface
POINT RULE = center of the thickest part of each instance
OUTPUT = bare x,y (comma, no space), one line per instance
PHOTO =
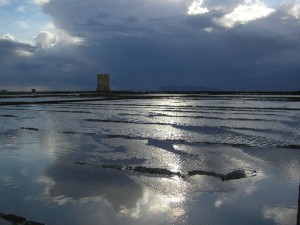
52,157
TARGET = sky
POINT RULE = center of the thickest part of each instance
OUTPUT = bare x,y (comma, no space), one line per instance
234,45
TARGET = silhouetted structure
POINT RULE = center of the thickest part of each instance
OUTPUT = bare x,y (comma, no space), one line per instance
33,90
103,83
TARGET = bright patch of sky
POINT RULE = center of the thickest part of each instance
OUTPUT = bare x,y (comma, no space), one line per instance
196,8
244,11
248,11
51,36
295,10
22,19
41,2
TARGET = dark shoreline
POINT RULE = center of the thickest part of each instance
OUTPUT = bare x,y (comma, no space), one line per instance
55,93
86,96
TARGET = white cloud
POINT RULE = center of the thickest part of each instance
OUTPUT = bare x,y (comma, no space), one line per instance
41,2
45,39
52,36
243,13
8,37
24,53
196,8
295,11
69,39
208,29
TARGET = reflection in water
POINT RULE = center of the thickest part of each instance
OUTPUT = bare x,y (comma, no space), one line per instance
163,199
67,181
84,193
152,204
140,197
70,181
280,215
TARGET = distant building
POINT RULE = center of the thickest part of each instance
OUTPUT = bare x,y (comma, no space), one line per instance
33,90
103,83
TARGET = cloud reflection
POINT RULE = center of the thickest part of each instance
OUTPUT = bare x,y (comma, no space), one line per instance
281,215
83,182
150,199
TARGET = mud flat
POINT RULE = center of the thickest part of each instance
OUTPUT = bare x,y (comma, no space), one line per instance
234,175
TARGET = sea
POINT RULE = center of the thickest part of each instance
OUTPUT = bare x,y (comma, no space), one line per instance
151,159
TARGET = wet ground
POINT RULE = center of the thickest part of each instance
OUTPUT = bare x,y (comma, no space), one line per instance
90,162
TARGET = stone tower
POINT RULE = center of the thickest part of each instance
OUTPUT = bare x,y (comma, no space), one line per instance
103,83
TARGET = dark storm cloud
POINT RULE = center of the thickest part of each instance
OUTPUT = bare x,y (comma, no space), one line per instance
148,44
23,65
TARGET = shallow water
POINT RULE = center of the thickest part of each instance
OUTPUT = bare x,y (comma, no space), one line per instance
52,157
